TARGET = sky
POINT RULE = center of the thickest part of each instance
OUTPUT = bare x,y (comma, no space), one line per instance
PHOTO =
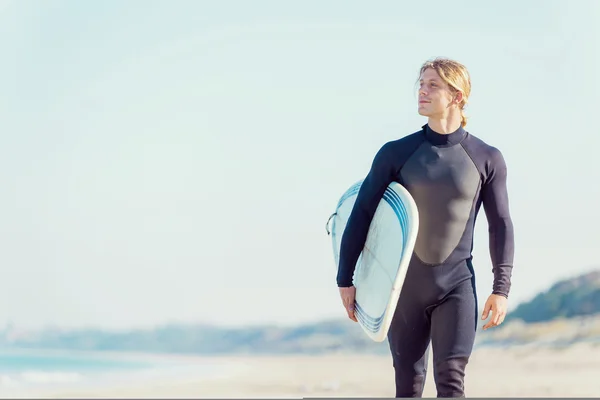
176,161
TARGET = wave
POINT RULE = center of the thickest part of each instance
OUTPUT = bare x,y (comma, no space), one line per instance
27,378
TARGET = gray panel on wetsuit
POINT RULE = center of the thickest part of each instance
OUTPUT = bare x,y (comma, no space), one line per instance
444,182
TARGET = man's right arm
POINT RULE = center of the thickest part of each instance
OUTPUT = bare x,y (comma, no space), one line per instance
381,174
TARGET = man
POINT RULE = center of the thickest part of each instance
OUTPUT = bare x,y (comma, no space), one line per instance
450,173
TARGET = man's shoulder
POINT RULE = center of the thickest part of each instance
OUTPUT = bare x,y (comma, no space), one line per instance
486,155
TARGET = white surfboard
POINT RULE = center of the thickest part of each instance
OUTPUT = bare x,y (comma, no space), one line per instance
383,262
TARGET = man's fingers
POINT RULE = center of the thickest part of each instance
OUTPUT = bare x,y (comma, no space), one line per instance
500,318
488,325
486,311
496,305
350,311
347,295
352,316
491,321
496,318
349,306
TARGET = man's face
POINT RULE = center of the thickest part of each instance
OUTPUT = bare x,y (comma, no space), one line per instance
435,96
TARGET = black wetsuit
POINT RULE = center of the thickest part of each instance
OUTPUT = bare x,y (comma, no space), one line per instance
450,176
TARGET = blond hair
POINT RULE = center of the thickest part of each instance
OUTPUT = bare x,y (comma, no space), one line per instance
455,75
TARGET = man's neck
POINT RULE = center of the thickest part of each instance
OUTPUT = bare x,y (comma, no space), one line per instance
445,125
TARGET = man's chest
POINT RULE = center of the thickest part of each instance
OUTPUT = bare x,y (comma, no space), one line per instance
447,173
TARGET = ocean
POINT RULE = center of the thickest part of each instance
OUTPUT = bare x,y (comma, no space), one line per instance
37,371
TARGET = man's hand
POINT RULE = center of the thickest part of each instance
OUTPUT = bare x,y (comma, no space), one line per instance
497,305
347,294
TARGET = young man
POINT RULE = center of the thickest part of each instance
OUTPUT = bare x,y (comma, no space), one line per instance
450,173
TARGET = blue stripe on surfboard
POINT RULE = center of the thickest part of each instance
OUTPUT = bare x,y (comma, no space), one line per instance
403,219
398,206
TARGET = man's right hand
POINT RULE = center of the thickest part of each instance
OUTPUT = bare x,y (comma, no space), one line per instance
348,295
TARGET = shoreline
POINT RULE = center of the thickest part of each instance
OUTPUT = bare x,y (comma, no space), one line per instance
171,369
515,371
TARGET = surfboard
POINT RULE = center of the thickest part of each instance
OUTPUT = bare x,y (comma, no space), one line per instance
383,262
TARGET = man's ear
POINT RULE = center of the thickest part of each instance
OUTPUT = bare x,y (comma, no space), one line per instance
458,97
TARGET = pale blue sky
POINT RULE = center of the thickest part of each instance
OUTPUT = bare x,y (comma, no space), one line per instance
177,160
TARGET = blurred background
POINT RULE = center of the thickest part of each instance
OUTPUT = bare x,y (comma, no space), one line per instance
168,167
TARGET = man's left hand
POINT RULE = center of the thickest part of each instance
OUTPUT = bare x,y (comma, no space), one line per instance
496,304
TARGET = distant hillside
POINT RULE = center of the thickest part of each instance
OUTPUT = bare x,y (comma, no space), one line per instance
574,297
327,336
567,313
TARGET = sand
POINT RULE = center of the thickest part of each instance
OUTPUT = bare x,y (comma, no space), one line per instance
493,372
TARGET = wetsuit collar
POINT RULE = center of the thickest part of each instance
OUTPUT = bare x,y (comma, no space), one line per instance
440,139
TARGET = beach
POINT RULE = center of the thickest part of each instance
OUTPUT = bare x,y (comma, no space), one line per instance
521,371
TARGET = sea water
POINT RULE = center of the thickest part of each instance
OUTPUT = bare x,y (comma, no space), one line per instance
32,371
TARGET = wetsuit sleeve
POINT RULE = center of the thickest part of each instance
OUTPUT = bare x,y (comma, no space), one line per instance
501,236
371,191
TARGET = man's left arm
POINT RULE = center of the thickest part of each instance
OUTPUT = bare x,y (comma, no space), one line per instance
501,237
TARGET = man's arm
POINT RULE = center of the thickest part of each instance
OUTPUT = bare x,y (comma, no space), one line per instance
377,180
501,235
